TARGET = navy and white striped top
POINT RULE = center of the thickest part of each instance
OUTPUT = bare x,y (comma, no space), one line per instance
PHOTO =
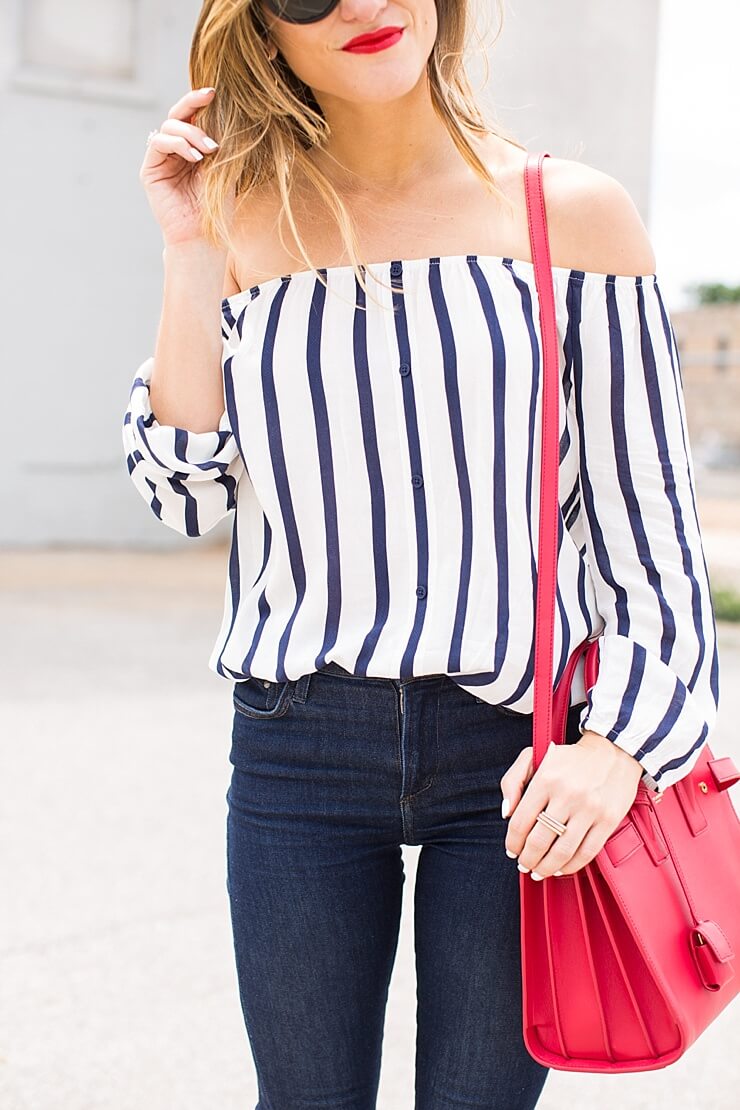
383,472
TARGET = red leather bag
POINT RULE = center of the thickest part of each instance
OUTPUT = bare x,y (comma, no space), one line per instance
626,961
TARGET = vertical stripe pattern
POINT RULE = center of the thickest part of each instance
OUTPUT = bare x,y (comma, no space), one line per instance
382,464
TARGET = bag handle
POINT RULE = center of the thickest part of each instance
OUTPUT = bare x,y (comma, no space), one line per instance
547,545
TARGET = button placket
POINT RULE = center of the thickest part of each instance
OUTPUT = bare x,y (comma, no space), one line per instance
417,480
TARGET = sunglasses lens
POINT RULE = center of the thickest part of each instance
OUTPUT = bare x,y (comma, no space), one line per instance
302,11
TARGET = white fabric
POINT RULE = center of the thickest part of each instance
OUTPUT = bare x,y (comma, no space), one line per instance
368,455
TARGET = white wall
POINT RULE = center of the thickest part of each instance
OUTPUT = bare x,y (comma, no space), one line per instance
577,78
81,273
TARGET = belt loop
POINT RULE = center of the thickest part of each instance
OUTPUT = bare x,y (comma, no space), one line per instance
300,689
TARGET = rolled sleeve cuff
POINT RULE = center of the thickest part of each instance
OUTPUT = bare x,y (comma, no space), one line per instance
172,450
641,704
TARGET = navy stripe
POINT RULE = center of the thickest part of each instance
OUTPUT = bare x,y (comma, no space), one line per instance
406,667
326,469
282,485
263,609
697,611
155,503
375,483
192,527
452,392
571,504
679,761
141,428
232,410
263,612
631,691
234,588
498,507
180,447
668,721
527,678
228,315
560,666
601,554
230,486
633,582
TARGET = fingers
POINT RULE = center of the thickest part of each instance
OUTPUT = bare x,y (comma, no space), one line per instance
178,136
563,786
528,839
524,824
175,144
590,846
545,853
195,138
185,107
513,782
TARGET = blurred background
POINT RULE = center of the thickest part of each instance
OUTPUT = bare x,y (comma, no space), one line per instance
117,984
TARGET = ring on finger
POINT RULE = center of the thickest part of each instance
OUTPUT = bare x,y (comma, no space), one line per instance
551,823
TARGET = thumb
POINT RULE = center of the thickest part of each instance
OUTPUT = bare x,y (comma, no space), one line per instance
513,782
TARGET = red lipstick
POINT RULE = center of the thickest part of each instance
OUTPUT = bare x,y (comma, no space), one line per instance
377,40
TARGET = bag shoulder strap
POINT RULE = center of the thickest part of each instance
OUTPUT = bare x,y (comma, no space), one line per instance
547,546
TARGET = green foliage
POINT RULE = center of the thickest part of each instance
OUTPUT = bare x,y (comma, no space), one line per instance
726,603
716,293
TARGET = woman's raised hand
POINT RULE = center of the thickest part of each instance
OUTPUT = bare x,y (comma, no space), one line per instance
169,172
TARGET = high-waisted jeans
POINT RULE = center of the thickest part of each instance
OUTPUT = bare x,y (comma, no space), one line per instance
332,773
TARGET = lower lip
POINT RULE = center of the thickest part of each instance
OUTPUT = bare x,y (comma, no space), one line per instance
373,47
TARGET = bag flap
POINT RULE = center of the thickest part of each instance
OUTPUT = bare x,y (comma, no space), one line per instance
716,939
725,771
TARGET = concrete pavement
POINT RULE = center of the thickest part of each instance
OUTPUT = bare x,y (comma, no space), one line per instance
117,983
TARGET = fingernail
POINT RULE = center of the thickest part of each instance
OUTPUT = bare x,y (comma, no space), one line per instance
197,154
511,855
505,805
208,88
536,876
521,868
210,143
557,872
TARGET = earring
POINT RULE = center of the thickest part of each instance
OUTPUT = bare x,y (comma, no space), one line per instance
272,54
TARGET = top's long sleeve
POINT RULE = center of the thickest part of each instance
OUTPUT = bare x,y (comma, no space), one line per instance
657,690
189,479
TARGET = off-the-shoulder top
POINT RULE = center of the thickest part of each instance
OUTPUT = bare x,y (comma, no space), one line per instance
382,468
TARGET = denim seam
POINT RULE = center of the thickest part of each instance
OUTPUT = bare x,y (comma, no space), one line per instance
435,772
280,708
301,688
410,797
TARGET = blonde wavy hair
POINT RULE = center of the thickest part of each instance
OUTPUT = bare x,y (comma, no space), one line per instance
266,119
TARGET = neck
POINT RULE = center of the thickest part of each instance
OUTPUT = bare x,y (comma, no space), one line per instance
379,148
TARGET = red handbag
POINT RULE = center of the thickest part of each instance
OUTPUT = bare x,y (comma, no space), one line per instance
626,961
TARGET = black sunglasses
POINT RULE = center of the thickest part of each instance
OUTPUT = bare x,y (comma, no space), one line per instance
301,11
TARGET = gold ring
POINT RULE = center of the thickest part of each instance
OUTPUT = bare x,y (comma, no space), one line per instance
552,823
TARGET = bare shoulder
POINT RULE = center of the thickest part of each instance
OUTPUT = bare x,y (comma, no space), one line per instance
257,255
594,221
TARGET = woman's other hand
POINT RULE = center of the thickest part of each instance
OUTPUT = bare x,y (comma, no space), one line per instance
169,170
589,786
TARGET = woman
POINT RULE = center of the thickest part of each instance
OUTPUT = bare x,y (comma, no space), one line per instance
374,425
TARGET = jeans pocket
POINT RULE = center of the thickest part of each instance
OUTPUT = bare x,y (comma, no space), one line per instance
263,699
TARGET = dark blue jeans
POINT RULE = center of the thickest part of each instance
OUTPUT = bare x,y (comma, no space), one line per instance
331,774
